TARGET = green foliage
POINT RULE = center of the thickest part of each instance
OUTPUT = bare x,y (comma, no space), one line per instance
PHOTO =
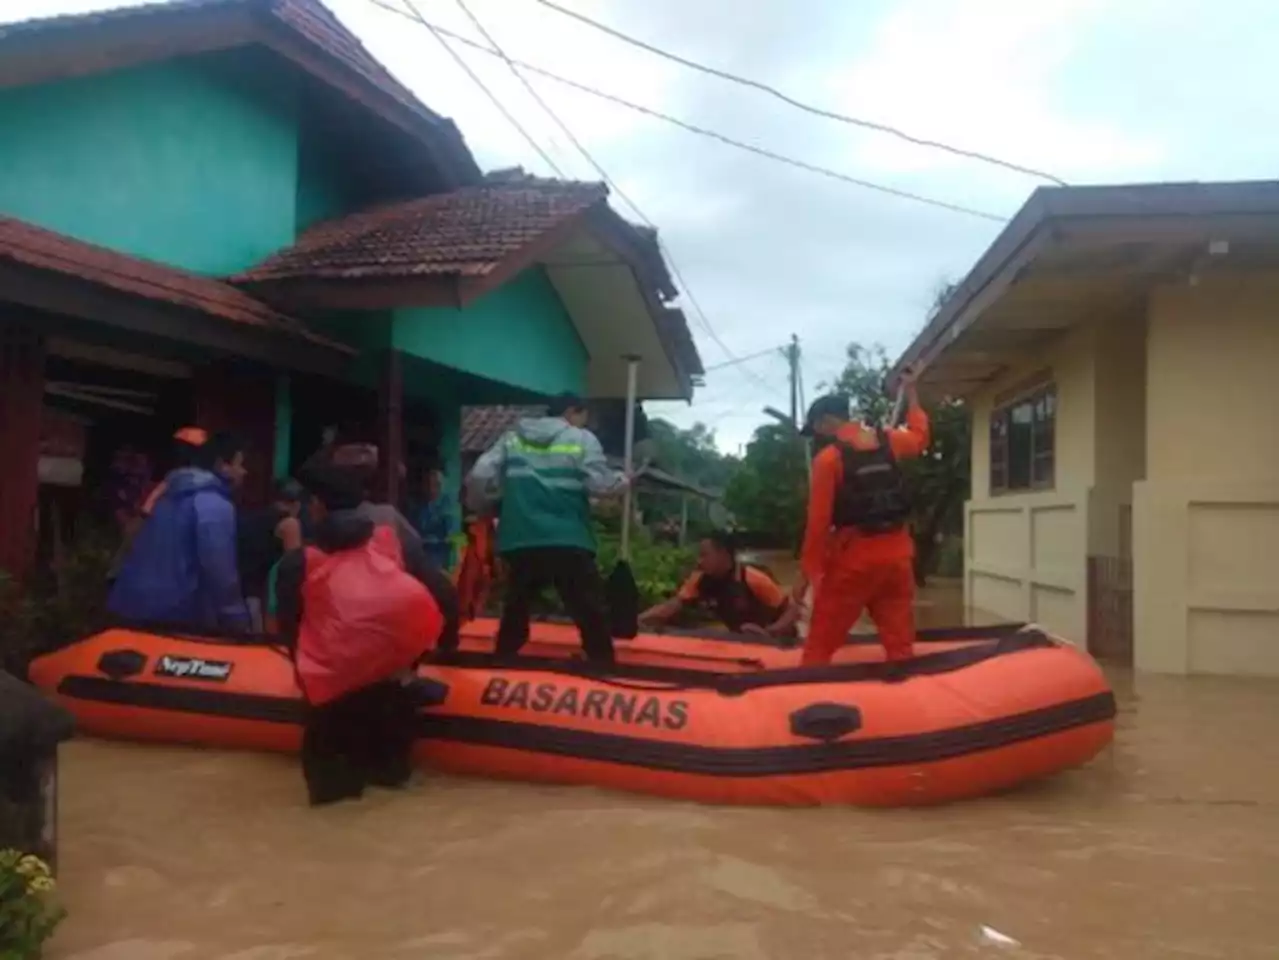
28,915
767,493
690,455
63,607
659,568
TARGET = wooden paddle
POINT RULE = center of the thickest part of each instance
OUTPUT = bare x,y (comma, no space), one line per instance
622,596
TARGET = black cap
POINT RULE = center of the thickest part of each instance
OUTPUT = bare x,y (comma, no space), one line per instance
831,405
564,403
338,488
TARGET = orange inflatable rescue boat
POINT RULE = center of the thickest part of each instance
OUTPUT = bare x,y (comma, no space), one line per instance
689,716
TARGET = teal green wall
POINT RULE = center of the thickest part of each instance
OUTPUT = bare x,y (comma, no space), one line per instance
519,335
190,162
284,427
319,193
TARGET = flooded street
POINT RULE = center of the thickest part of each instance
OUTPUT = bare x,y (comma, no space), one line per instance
1166,847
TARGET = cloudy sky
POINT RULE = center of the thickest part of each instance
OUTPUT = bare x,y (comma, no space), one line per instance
1094,92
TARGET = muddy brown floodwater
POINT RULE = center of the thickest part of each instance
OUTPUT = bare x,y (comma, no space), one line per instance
1164,848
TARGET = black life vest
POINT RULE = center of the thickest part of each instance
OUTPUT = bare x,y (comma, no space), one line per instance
734,602
872,496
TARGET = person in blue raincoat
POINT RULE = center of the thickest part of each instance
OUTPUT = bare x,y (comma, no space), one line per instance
181,568
432,516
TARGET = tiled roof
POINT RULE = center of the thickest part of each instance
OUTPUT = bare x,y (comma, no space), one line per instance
31,246
467,232
309,20
312,20
482,426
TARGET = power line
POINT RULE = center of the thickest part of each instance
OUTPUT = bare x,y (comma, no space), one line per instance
711,134
604,175
439,35
751,356
511,65
701,317
799,104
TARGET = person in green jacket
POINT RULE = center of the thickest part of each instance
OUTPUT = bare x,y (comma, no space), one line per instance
544,472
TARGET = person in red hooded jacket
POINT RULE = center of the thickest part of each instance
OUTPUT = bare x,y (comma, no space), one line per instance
858,552
359,608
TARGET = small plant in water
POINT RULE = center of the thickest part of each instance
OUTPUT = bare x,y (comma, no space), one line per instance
28,913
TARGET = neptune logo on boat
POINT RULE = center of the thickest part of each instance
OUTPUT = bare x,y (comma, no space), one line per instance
194,668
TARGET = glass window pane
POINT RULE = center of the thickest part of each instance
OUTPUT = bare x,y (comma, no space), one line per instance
1019,477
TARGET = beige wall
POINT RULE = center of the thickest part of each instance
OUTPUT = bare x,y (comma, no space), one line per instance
1205,520
1025,552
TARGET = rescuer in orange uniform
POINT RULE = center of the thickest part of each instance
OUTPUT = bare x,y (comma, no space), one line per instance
858,552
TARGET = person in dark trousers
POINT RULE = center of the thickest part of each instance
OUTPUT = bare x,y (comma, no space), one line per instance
358,609
263,537
181,567
544,472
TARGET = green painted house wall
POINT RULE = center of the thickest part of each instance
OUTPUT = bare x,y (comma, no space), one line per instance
518,335
190,162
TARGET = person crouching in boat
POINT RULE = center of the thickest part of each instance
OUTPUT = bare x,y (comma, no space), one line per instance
544,471
858,552
743,597
359,608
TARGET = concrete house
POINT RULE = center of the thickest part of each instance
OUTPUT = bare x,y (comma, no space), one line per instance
1117,347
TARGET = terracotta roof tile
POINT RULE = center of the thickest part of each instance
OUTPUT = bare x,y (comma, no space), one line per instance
317,24
32,246
467,232
482,426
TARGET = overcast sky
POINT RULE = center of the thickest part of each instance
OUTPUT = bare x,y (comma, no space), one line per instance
1095,92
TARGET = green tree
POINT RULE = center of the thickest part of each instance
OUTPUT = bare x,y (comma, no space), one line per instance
690,455
767,492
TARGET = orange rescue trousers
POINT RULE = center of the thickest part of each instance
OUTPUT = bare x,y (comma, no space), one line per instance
885,589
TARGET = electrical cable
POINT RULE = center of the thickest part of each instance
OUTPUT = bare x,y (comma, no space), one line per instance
799,104
439,34
703,131
699,315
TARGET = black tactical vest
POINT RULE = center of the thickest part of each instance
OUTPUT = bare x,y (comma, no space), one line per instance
734,602
872,496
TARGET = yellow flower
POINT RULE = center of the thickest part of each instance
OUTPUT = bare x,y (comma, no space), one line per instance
40,885
32,866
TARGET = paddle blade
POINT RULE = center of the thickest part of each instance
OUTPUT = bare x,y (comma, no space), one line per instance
623,600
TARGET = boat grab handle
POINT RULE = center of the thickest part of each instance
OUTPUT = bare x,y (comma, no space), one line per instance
825,721
121,664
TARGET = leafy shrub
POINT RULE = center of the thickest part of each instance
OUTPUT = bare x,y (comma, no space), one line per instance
28,914
63,607
659,568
